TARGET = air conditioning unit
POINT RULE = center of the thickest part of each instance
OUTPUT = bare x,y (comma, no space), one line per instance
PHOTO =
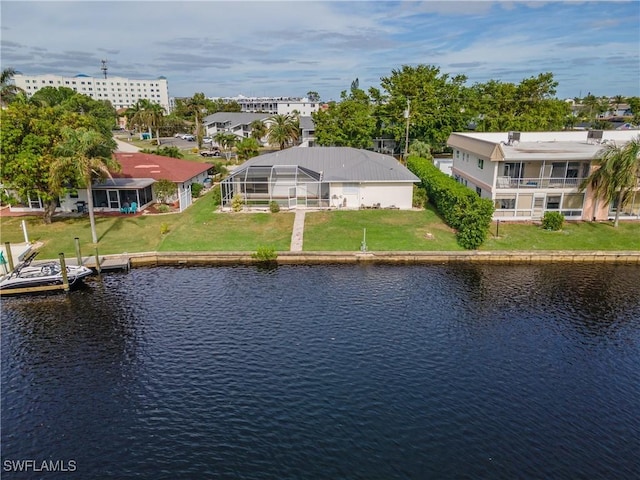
594,136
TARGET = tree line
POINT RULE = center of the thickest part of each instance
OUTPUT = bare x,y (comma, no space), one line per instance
421,103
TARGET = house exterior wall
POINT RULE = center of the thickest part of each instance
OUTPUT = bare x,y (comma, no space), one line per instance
303,108
122,92
356,195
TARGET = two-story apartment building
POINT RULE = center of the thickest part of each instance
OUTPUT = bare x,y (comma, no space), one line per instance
527,174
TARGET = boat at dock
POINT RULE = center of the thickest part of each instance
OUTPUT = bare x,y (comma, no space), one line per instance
45,274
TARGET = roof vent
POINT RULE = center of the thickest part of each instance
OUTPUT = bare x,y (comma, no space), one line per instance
514,138
594,136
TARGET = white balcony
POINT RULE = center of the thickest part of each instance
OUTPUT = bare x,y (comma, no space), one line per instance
537,182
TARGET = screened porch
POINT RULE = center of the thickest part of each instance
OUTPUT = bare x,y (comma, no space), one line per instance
287,185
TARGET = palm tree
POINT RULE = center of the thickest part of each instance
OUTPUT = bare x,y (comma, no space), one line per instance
8,91
283,130
247,148
197,105
617,174
86,155
258,129
226,141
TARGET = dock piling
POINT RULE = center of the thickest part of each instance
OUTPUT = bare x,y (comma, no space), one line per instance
63,270
7,248
97,261
78,254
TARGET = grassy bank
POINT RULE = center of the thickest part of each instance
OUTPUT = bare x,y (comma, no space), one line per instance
202,228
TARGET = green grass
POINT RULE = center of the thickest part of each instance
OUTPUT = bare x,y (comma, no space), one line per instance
387,230
573,236
202,228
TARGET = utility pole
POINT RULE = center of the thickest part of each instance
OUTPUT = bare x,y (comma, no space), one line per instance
407,113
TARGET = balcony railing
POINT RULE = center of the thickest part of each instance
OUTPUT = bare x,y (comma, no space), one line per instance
537,182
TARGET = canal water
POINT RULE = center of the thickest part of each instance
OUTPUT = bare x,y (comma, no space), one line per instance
326,372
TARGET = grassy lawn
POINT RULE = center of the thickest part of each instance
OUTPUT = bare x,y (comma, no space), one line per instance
573,236
387,230
201,228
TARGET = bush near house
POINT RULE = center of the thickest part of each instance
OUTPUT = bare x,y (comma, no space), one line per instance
552,221
460,207
274,207
196,188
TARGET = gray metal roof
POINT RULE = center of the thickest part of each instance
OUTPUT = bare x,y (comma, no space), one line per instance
124,183
338,164
306,123
235,118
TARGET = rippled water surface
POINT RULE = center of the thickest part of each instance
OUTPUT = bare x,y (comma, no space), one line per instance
328,372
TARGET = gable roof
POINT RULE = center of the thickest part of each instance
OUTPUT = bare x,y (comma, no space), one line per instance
147,165
336,164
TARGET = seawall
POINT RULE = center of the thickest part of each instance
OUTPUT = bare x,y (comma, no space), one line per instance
315,258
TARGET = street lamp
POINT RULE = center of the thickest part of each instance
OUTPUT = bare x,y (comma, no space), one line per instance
407,114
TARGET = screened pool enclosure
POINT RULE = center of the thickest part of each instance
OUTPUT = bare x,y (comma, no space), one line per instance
287,185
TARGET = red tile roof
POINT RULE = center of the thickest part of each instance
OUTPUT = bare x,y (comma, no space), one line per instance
146,165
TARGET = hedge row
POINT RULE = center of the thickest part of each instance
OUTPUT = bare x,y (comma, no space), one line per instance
460,207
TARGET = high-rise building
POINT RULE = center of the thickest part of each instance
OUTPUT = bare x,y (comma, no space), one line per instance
120,91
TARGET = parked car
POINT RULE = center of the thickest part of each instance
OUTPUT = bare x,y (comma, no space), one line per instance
188,137
207,140
209,153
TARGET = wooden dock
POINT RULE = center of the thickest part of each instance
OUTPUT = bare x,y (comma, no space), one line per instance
106,262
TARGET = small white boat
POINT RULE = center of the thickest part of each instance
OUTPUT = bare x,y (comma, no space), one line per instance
26,275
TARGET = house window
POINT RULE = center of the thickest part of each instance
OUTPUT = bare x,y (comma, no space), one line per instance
505,202
479,191
480,163
553,202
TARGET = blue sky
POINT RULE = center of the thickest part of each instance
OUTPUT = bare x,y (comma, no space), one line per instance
269,48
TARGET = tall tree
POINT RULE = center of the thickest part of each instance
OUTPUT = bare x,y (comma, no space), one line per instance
348,123
258,130
197,106
30,133
284,130
313,96
226,141
439,104
8,90
616,175
85,155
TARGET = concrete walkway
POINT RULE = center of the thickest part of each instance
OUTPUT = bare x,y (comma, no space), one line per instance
298,231
126,147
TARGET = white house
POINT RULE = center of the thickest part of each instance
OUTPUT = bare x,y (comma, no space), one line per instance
322,177
529,173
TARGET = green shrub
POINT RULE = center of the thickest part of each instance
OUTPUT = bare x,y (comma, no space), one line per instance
216,195
164,208
419,197
552,221
163,189
265,254
460,207
237,203
164,228
274,207
196,188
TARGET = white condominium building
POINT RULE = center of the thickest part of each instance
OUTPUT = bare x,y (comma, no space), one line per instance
274,105
120,91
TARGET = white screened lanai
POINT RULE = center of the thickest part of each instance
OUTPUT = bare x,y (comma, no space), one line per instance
288,185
